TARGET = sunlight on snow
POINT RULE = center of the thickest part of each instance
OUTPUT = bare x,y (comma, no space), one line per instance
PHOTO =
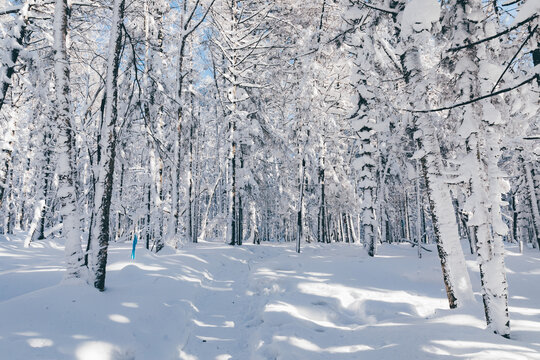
81,337
349,297
119,318
291,274
525,325
524,311
460,319
193,257
27,333
304,313
6,254
390,256
226,324
480,350
39,342
462,344
223,357
317,274
101,350
308,345
185,356
130,305
435,350
49,269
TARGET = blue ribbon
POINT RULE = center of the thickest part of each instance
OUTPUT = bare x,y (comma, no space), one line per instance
134,245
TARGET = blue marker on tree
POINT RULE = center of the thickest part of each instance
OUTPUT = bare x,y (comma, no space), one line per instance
134,245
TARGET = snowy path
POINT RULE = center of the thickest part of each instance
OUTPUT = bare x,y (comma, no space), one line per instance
213,301
215,330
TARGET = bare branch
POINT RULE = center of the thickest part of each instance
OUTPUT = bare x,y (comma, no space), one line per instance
200,20
11,10
511,2
475,99
191,14
381,9
513,58
529,19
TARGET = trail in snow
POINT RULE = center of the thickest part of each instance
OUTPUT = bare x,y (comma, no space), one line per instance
214,301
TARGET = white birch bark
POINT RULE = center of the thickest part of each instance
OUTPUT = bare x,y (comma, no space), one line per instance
453,265
34,224
65,166
480,127
416,36
533,199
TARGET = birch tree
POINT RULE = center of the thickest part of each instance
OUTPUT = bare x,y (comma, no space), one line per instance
417,21
66,159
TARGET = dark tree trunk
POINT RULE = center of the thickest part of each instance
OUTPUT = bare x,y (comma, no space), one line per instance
104,185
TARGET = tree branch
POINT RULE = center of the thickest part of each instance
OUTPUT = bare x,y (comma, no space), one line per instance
384,10
514,57
529,19
475,99
200,21
11,10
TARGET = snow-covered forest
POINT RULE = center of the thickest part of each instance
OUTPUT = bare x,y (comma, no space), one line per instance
257,156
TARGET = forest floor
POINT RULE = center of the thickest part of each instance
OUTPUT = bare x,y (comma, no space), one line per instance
214,301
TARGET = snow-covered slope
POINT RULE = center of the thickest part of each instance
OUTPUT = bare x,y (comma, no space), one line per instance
213,301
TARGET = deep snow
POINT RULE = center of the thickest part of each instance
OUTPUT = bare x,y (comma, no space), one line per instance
214,301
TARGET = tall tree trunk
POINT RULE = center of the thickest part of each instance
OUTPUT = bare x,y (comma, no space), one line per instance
232,206
320,216
300,220
406,216
454,269
104,184
240,222
66,156
488,228
13,52
148,226
533,200
418,211
453,265
190,188
6,154
40,230
480,128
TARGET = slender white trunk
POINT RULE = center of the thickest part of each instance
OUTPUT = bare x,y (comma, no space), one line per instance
66,163
489,228
481,129
300,228
418,211
454,268
446,231
533,200
14,47
38,211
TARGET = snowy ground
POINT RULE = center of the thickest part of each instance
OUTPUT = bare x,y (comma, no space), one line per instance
213,301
